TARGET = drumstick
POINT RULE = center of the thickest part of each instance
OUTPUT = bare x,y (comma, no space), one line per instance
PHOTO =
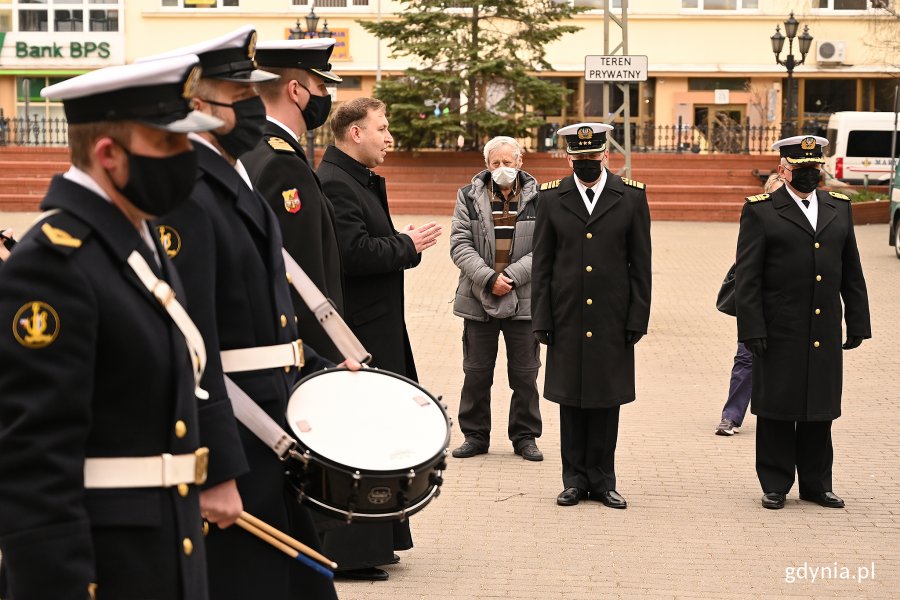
245,525
286,539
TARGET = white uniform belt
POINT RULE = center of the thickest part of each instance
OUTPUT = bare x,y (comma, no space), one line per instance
263,357
165,470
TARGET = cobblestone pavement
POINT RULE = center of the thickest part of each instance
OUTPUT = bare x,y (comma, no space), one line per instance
694,527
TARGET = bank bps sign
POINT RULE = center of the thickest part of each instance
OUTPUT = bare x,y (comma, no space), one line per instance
47,51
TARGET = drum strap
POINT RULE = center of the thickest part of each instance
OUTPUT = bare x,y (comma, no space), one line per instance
347,343
165,295
258,421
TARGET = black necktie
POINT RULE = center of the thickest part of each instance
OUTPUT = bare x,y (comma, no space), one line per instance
589,193
805,203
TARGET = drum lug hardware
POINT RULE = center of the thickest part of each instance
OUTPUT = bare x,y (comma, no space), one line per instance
356,478
293,453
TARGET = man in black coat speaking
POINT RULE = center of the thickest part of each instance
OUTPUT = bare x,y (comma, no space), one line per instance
796,260
590,304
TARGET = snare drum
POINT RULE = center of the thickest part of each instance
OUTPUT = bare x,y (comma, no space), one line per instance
371,444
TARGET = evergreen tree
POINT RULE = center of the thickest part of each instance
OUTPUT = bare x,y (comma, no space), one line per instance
476,61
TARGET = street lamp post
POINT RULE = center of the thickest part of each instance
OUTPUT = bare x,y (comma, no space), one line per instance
804,41
297,33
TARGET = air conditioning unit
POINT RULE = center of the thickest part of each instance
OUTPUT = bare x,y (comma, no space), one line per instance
830,52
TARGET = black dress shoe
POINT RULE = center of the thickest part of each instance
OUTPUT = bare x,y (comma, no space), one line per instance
369,574
571,496
529,451
773,500
826,499
394,560
468,450
610,498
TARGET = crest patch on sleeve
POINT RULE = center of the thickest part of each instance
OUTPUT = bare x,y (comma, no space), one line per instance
36,325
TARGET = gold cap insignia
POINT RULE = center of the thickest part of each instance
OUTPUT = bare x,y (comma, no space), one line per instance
170,240
190,84
36,325
585,133
291,200
808,143
251,46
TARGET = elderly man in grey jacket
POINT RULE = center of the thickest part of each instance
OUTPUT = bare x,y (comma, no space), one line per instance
490,242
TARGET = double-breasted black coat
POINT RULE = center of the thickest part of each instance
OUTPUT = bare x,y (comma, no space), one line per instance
279,171
789,283
374,256
590,284
92,366
228,253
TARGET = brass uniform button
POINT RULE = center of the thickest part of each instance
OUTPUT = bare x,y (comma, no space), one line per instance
589,268
287,369
815,344
183,490
289,278
205,527
296,319
589,301
188,546
817,245
818,311
283,321
589,236
589,334
180,429
818,278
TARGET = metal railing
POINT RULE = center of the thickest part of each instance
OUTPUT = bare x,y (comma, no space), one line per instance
34,131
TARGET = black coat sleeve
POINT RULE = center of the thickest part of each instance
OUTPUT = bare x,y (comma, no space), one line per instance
196,263
853,287
748,276
542,265
362,252
639,270
45,419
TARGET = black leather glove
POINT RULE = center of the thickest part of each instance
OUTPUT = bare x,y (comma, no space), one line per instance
633,337
756,346
544,337
853,341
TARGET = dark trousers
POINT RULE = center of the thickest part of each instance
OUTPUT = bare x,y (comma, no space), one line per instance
587,439
741,386
480,342
785,446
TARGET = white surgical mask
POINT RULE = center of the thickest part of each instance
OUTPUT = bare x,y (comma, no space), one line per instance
504,176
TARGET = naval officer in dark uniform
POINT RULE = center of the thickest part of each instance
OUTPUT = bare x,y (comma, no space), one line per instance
295,103
100,444
226,244
590,303
797,261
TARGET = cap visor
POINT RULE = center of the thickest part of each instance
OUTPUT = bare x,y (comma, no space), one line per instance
195,121
589,151
806,160
327,75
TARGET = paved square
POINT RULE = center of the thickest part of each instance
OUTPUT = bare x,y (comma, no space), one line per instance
694,527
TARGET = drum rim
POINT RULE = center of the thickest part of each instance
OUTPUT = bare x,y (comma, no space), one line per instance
304,449
433,492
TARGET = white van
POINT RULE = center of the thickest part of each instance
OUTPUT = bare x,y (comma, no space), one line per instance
859,148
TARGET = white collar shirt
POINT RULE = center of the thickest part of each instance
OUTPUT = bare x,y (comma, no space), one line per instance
283,126
811,213
597,188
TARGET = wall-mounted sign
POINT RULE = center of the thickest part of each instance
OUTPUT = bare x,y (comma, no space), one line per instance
615,68
54,50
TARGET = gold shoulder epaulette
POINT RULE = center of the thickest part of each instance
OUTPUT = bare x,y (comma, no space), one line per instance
839,195
633,183
550,184
280,145
758,198
59,237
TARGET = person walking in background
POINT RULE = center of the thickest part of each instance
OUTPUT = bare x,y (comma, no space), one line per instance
741,373
590,304
490,242
797,262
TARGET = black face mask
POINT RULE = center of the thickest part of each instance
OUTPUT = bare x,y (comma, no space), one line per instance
587,170
157,185
805,180
317,109
250,118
